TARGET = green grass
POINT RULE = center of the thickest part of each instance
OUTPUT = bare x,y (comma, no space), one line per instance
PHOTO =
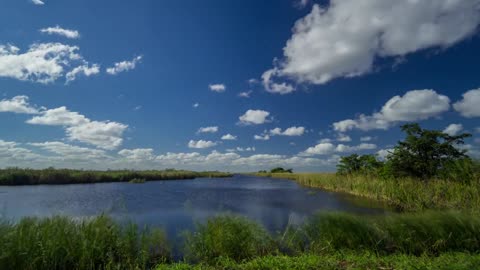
341,260
18,176
326,241
137,181
404,194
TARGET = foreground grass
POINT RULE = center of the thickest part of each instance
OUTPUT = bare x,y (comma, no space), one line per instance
17,176
404,194
341,260
327,241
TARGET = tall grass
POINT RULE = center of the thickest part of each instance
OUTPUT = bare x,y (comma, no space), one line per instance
18,176
406,194
62,243
225,241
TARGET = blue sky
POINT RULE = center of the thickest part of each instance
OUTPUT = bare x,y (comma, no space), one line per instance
157,84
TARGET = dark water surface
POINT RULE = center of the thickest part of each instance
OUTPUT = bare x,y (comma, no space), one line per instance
177,204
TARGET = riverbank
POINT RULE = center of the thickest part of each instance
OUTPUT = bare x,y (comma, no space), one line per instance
18,176
326,241
404,194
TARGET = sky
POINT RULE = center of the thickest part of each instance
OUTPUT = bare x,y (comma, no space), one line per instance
231,85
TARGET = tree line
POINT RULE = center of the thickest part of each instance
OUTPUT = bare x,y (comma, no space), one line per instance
423,154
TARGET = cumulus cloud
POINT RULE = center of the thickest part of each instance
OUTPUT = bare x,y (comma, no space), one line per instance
345,38
273,87
383,153
103,134
327,148
57,30
60,116
245,94
195,105
413,106
138,154
453,129
469,105
343,138
71,152
18,104
219,88
366,139
38,2
254,117
229,137
263,137
200,144
85,69
124,66
43,62
208,129
242,149
291,131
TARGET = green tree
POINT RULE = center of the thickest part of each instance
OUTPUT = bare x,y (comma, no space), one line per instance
365,164
424,152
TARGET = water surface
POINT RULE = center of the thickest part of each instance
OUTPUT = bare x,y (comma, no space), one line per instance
177,204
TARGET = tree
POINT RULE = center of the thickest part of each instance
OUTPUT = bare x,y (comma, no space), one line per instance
280,170
355,163
424,152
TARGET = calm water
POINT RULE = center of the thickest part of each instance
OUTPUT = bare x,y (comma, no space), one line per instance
177,204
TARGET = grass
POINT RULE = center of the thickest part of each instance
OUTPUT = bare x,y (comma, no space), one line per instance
431,240
341,260
404,194
18,176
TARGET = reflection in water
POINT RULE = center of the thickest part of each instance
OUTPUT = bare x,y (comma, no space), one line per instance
176,205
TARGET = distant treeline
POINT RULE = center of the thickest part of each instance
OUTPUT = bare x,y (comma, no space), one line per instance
19,176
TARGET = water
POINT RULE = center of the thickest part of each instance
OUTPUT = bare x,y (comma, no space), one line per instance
177,204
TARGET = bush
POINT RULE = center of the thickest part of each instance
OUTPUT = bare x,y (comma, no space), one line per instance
227,236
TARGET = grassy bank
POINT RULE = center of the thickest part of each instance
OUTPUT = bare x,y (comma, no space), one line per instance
405,194
327,241
17,176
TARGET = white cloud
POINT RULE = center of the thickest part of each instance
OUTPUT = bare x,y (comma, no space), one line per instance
242,149
254,117
291,131
341,148
137,108
245,94
124,66
195,105
345,38
43,63
366,139
207,129
71,152
413,106
275,88
38,2
18,104
343,138
383,153
103,134
83,69
229,137
57,30
201,144
219,88
453,129
325,140
469,105
264,137
319,149
139,154
11,154
326,148
60,116
301,3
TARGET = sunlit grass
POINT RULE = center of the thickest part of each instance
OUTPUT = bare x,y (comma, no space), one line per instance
405,194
